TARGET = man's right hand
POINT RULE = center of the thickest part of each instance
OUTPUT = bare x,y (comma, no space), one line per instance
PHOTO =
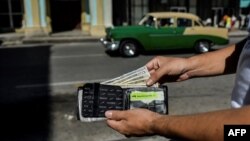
164,69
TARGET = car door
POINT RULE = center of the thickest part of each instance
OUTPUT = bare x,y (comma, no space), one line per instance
163,35
184,40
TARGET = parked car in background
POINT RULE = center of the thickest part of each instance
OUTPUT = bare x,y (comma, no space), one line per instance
164,31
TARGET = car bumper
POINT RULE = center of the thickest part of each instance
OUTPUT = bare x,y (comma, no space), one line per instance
110,45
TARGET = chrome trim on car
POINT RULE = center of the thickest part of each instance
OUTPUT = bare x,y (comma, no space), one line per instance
109,44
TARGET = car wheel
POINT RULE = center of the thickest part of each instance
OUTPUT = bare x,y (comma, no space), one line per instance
129,48
202,46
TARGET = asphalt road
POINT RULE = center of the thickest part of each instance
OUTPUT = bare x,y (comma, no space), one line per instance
38,86
77,63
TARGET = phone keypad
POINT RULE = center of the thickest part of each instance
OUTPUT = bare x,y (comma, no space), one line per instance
97,99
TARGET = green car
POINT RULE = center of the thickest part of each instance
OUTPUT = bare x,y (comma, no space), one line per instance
164,31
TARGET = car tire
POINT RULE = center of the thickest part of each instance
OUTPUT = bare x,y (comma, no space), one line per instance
202,46
129,48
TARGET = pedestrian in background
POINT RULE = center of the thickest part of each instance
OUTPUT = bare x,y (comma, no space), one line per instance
239,18
233,21
248,22
228,22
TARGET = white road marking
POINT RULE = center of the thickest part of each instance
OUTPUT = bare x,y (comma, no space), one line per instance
59,84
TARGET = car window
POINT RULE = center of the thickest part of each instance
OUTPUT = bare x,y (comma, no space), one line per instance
200,21
149,21
196,23
166,22
184,22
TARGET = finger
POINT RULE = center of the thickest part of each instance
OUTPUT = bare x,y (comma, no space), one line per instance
153,64
150,65
115,115
156,76
151,71
114,124
156,65
183,77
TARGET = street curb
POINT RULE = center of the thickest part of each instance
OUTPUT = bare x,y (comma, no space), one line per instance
60,40
67,39
80,40
238,35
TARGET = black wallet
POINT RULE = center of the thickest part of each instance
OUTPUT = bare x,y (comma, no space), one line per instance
94,99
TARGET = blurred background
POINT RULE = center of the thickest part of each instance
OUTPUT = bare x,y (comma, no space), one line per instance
51,47
92,16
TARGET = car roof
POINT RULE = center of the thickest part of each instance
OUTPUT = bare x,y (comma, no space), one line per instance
173,14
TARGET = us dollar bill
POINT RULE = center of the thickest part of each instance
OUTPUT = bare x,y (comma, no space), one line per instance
144,68
138,75
135,85
136,78
143,71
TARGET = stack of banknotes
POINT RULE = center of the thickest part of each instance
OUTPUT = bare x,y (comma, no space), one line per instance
136,78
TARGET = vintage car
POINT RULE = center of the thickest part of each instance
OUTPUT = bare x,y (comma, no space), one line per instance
164,31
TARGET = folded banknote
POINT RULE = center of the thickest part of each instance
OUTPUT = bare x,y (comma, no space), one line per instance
136,78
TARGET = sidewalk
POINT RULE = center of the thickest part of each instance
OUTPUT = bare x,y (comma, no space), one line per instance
62,37
238,33
68,37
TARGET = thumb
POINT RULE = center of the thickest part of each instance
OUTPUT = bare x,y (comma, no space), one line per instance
183,77
115,115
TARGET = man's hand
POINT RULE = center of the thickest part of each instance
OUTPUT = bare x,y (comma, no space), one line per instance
136,122
173,69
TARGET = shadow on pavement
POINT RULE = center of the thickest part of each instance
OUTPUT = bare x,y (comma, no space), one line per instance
24,108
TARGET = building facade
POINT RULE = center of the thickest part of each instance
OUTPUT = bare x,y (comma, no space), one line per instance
42,17
135,9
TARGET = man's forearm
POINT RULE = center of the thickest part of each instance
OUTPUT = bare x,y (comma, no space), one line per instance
200,127
222,61
218,62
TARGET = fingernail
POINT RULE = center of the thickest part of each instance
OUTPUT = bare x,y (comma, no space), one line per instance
108,114
149,82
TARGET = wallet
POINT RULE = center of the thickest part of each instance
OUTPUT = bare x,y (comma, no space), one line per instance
94,99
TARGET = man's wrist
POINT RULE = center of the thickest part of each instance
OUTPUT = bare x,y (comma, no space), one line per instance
159,125
192,62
